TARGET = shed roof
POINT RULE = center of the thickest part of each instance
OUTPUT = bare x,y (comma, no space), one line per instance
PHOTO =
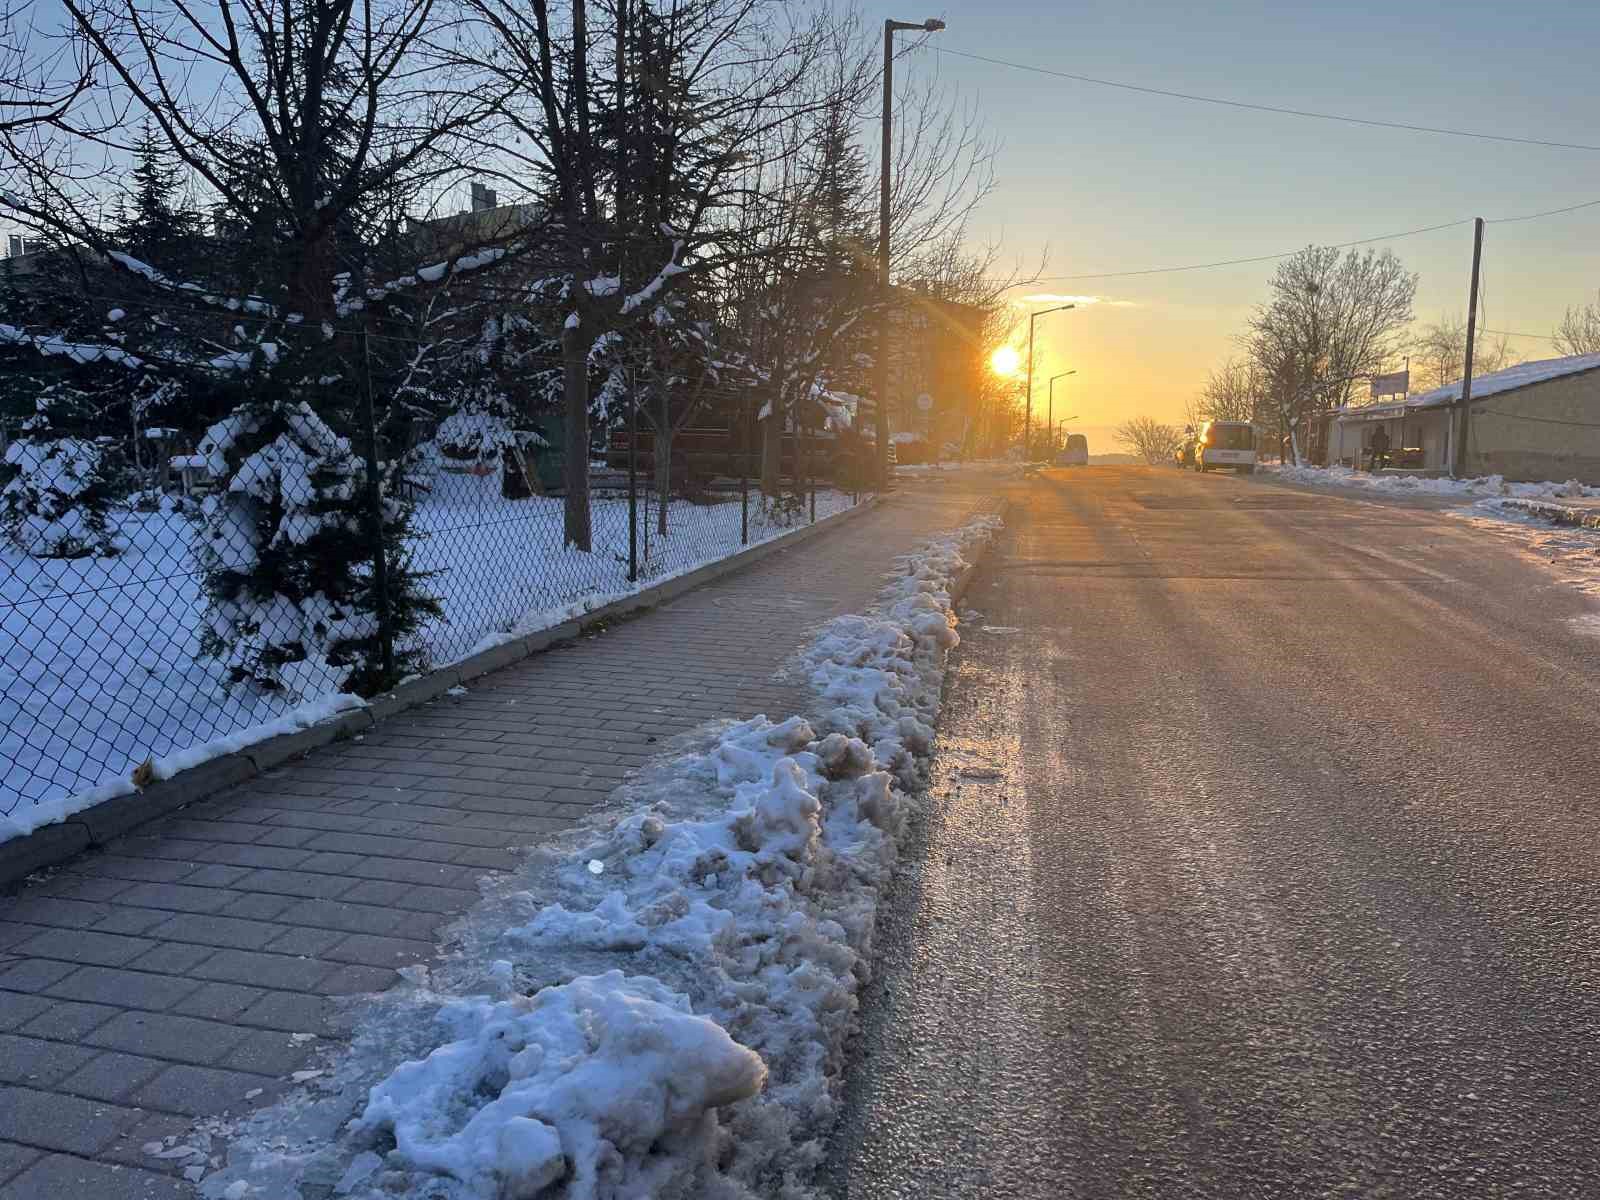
1509,380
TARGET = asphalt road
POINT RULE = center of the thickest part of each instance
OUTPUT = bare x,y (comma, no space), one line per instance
1263,860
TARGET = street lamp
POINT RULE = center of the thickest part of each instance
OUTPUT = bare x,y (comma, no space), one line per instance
1027,418
1053,379
931,25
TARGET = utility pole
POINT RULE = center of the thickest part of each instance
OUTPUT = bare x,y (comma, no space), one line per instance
932,25
1459,467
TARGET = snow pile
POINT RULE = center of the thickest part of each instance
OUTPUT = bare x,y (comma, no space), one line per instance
1488,485
711,940
605,1079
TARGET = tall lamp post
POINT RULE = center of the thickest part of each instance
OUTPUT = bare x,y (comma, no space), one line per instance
931,25
1027,417
1052,414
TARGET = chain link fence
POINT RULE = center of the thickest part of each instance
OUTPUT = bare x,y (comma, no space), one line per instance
159,605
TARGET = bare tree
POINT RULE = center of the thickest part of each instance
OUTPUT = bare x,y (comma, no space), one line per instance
1441,347
638,123
1230,393
1491,353
289,114
1156,441
1333,320
41,75
1579,331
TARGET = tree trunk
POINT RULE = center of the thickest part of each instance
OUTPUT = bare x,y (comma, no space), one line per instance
664,432
663,476
575,361
772,449
311,277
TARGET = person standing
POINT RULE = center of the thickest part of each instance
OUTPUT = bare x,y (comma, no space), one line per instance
1380,447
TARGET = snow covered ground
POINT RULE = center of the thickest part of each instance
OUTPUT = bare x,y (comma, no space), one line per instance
656,1006
101,667
1402,485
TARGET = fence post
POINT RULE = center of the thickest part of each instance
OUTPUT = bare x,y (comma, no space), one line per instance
744,474
380,559
633,481
811,469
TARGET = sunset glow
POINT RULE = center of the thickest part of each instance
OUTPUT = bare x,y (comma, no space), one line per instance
1005,361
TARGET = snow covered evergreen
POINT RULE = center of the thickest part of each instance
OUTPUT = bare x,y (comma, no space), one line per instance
288,545
59,504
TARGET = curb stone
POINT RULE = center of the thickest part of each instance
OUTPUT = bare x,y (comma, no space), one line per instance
963,581
52,845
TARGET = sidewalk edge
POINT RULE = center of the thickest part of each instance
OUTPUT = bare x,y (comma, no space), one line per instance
51,845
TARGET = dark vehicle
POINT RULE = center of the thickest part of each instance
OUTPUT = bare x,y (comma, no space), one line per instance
1076,453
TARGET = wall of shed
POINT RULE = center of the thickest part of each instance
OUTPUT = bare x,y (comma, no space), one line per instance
1548,430
1349,440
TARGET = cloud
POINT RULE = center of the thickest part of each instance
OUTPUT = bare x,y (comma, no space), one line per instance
1084,301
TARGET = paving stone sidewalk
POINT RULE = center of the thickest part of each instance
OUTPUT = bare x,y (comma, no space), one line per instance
192,967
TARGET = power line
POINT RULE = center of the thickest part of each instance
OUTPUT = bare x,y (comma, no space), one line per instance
1543,337
1237,262
1268,108
1261,258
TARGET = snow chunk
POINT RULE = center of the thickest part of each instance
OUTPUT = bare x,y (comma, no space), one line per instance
591,1077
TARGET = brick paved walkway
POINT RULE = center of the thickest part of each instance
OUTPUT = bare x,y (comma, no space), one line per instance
190,968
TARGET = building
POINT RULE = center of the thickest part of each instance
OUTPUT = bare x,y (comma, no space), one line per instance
1534,421
935,363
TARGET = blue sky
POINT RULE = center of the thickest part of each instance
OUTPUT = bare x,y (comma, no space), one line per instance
1111,180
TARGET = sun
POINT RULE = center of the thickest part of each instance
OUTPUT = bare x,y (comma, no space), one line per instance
1005,361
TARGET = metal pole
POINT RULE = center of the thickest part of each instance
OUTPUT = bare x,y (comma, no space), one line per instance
633,481
883,258
1027,410
1472,325
745,437
811,469
1050,416
380,560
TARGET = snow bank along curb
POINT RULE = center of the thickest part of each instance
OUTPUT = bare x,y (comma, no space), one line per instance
1561,514
657,1004
113,809
1494,486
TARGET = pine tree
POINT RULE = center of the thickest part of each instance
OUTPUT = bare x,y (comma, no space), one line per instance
288,549
60,502
154,222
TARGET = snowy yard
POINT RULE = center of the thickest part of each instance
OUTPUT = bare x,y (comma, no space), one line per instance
102,666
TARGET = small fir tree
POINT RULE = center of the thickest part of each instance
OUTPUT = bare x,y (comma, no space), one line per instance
287,545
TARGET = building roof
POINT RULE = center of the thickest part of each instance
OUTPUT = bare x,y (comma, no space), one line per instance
1509,380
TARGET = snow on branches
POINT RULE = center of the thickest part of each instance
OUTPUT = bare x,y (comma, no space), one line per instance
58,503
288,548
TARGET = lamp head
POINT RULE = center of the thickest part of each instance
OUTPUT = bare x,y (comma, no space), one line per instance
933,25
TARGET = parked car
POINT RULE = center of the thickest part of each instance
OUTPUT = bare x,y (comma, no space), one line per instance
1075,453
1225,445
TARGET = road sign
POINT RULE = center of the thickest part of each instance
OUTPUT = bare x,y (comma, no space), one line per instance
925,402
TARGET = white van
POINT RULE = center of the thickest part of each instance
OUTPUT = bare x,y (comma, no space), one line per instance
1226,444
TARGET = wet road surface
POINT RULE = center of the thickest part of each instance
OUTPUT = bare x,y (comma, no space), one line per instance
1262,860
